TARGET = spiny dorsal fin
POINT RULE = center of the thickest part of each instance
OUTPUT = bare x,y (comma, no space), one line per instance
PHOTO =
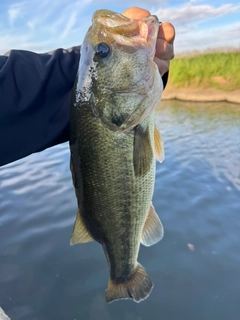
158,145
137,286
80,233
143,153
153,229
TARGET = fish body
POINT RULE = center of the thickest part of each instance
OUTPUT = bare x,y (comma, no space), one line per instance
113,141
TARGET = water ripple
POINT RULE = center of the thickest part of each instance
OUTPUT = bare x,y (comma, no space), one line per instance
196,195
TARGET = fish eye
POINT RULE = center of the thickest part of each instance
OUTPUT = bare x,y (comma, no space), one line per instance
102,50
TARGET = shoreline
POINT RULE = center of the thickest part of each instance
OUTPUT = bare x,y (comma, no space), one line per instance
201,95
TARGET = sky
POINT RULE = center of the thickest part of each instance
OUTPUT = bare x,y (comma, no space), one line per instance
44,25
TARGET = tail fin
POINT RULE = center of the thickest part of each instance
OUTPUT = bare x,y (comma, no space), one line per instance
137,287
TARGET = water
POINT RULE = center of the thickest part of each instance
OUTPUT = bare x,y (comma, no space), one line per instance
197,196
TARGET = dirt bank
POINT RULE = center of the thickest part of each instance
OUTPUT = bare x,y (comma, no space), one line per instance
201,94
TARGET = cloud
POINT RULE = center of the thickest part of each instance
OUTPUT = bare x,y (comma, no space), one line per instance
70,23
9,42
233,32
138,3
13,13
198,39
47,22
43,25
190,13
192,20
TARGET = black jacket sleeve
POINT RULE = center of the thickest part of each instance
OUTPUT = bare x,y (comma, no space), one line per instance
165,79
35,95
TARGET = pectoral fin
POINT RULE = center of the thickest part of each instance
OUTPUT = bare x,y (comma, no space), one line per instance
80,233
153,229
143,153
158,145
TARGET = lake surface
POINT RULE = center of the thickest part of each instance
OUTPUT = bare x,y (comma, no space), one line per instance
195,268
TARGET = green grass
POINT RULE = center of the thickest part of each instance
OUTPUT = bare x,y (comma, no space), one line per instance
215,70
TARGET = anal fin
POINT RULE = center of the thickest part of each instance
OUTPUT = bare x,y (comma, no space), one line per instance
80,233
153,229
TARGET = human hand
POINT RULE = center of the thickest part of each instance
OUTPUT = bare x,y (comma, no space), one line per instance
166,34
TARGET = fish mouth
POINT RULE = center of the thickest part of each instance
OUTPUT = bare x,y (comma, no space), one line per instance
128,32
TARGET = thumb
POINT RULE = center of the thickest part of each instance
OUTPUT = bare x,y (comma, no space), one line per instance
136,13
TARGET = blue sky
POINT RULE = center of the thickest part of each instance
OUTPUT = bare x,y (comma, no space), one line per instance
44,25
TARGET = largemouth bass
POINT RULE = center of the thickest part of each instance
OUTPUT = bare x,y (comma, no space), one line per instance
113,142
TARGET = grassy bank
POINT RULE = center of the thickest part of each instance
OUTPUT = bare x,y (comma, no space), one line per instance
214,70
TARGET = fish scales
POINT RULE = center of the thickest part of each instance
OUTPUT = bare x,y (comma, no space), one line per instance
112,195
113,187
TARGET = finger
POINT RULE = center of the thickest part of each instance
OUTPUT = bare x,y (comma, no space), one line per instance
164,50
136,13
166,31
163,65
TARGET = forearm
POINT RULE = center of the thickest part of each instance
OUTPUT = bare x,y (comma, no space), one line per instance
35,95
